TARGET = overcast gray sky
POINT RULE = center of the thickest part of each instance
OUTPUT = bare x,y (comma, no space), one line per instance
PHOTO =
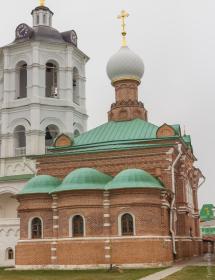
176,40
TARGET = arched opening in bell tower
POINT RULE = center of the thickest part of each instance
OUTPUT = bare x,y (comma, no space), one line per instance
76,97
52,131
21,70
51,80
20,140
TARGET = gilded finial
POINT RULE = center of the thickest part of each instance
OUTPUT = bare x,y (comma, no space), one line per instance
123,16
42,2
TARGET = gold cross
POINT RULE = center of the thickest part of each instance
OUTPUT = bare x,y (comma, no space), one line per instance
42,2
123,16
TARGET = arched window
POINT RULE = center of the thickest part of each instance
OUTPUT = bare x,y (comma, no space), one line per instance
36,228
21,87
20,140
51,80
127,224
76,97
52,131
77,226
9,254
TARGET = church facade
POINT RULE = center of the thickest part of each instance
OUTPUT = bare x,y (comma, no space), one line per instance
123,193
42,94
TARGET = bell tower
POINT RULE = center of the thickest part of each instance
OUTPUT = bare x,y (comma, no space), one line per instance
42,87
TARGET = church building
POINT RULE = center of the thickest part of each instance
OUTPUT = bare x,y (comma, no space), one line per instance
124,193
42,95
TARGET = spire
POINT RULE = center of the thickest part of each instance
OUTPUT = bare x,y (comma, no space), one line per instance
123,16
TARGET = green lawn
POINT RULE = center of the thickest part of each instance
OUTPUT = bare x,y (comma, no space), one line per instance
128,274
194,273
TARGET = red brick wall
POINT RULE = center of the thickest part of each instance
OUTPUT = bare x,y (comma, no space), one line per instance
33,254
147,205
141,251
80,252
35,206
190,248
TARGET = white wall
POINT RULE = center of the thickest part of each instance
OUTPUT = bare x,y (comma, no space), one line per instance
8,206
9,235
9,227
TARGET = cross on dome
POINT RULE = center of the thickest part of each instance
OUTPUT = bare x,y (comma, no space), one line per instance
123,16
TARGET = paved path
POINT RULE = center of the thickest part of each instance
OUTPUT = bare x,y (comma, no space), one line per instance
164,273
206,260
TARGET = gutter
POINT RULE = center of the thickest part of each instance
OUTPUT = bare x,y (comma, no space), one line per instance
173,200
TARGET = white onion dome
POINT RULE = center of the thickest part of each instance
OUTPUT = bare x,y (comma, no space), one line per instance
125,65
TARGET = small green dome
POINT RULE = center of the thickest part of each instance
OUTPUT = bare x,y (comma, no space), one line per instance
84,179
40,184
134,178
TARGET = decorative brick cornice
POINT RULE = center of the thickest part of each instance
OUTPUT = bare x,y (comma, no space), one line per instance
127,106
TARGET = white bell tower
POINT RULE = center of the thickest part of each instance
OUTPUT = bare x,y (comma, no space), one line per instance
42,94
42,87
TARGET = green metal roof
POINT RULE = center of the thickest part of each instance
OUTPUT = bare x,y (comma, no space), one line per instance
134,178
118,131
91,179
84,179
187,139
177,129
40,184
117,135
207,212
16,177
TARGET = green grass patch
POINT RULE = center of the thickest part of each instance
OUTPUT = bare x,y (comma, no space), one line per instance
194,273
127,274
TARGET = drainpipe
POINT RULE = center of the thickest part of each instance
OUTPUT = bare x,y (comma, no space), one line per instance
33,170
173,200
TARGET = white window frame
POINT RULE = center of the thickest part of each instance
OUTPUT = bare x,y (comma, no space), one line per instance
120,223
71,225
6,254
29,227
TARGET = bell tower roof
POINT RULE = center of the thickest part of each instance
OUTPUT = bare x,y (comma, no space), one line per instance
42,29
